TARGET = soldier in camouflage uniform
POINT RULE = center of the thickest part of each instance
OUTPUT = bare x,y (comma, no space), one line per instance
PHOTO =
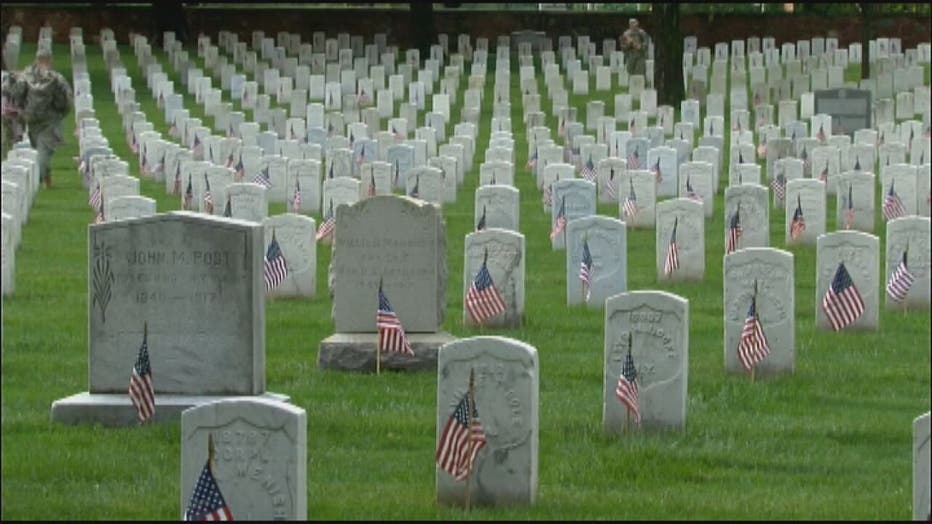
48,101
634,43
13,89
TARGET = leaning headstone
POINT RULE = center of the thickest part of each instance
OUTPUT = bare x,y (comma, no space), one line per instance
503,253
606,239
259,458
909,235
295,236
763,276
657,324
167,271
922,508
506,387
860,254
680,240
402,243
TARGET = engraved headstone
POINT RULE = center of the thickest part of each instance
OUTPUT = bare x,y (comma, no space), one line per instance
506,389
606,239
657,324
911,235
196,281
680,222
765,277
503,253
259,456
860,253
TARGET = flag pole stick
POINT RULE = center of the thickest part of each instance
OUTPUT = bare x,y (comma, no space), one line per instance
378,338
469,408
754,367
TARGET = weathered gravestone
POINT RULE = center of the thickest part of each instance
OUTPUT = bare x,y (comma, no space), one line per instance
911,235
196,281
680,240
295,236
753,216
806,196
400,242
506,384
921,456
130,206
657,325
854,205
499,204
575,198
503,253
860,254
764,276
606,240
247,201
637,198
259,457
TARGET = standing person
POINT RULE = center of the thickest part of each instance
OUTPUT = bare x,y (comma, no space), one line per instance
47,102
634,44
13,88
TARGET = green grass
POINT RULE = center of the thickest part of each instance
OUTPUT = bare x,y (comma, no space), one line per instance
832,441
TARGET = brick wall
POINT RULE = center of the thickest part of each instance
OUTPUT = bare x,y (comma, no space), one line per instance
396,23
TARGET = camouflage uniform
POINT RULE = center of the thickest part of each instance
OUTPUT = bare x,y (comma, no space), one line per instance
47,102
13,89
634,44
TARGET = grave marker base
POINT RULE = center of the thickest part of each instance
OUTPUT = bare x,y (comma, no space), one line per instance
356,352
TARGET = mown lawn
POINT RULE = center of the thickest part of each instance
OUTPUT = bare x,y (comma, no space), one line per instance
832,441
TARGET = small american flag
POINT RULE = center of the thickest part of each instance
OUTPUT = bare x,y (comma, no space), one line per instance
143,164
361,159
133,144
228,209
610,185
372,189
753,346
778,185
207,503
197,144
330,172
531,161
296,198
483,300
548,195
842,303
690,192
588,170
363,98
263,178
804,156
849,209
275,269
585,270
900,281
461,439
328,224
627,389
95,201
208,197
798,225
416,190
857,163
820,136
176,188
762,147
560,223
391,334
892,204
481,224
140,382
630,206
229,162
734,231
672,261
634,160
188,196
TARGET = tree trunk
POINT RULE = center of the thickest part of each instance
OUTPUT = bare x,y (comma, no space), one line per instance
422,26
668,53
867,29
